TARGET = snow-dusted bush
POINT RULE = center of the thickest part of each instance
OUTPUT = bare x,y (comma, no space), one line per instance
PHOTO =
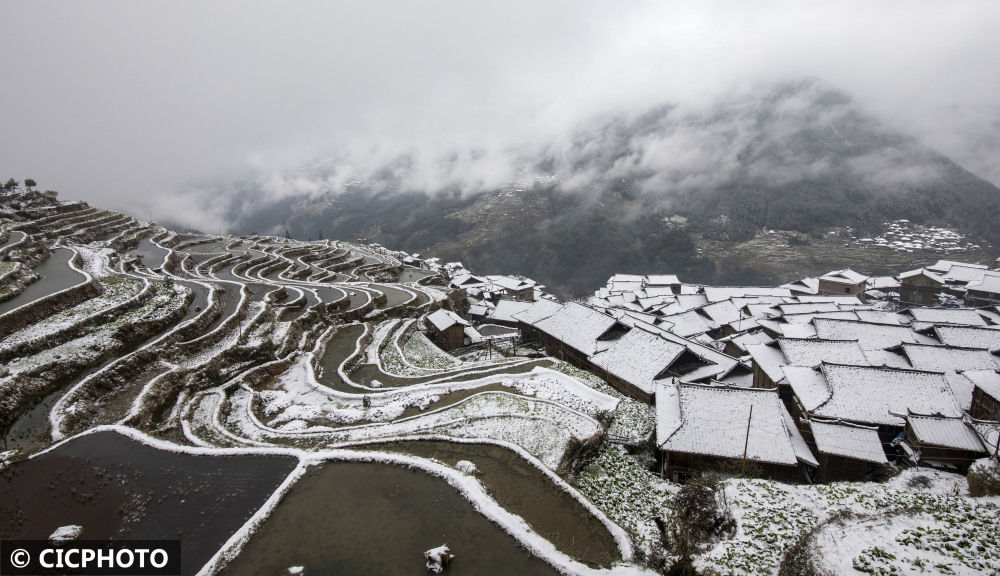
984,477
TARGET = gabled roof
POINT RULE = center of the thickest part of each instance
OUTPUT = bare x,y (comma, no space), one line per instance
722,312
878,395
957,316
443,319
713,421
688,323
868,335
968,337
990,282
945,432
944,358
638,358
510,283
718,293
845,276
506,309
769,358
662,280
943,266
539,310
577,326
986,380
922,272
848,440
804,286
799,352
808,307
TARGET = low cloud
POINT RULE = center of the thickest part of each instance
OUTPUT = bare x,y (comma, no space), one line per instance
146,106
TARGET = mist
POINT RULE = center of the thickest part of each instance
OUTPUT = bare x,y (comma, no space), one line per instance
152,107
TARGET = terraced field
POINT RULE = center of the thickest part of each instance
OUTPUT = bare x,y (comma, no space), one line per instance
278,348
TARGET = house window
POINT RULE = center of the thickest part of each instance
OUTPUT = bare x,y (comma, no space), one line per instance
847,290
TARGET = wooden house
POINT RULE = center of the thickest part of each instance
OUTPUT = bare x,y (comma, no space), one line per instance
985,394
712,428
919,287
947,443
845,451
447,329
841,282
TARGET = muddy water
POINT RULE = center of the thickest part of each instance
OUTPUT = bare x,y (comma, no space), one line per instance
350,518
522,489
329,294
55,275
118,488
340,346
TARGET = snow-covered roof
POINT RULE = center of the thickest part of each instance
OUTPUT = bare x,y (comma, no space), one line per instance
848,440
922,272
879,395
662,280
964,274
959,316
713,421
804,286
868,335
882,317
945,432
743,325
719,293
841,300
799,352
538,311
741,341
769,358
639,357
808,307
968,337
809,386
577,326
943,266
510,283
467,280
845,276
796,330
986,380
722,312
443,319
688,323
479,310
506,309
883,283
990,282
799,445
944,358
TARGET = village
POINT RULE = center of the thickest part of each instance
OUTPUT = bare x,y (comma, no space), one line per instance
572,426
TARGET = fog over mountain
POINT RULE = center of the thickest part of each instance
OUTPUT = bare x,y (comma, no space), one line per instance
142,106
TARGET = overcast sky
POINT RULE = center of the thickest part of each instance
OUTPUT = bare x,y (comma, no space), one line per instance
125,104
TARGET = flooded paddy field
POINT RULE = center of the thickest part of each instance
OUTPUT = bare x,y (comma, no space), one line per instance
413,275
349,518
367,373
524,490
151,255
116,487
55,275
394,296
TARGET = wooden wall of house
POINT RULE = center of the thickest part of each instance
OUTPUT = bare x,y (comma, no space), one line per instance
834,468
697,464
984,406
837,289
623,386
557,349
760,378
449,339
918,290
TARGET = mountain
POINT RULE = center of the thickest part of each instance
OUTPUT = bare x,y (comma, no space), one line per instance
637,192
